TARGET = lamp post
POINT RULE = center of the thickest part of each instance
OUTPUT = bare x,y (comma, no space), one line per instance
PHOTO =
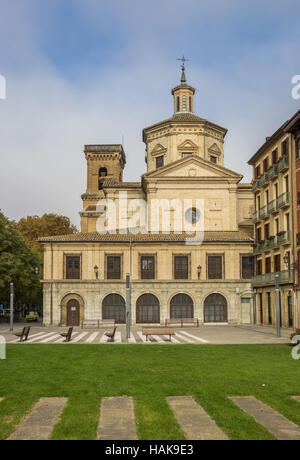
277,305
128,305
254,306
11,306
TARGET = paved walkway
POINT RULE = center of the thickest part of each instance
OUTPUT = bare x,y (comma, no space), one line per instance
38,425
282,428
188,335
195,423
117,421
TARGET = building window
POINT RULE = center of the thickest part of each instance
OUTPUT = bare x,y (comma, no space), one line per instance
277,263
181,267
73,267
192,216
298,198
214,267
284,148
266,164
270,321
184,104
268,265
259,267
298,148
186,154
275,156
113,267
247,267
177,104
257,172
267,231
190,104
213,159
147,267
159,162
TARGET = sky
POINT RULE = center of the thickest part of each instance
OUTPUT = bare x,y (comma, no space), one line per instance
90,72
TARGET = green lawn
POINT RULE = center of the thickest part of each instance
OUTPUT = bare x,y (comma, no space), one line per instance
86,373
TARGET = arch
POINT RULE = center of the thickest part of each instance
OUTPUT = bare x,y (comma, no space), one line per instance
147,309
103,172
113,307
69,301
215,309
181,306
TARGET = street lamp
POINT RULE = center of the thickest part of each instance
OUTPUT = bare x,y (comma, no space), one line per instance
254,305
96,270
199,268
36,270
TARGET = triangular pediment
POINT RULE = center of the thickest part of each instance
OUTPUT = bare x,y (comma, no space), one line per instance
215,149
193,167
158,150
187,145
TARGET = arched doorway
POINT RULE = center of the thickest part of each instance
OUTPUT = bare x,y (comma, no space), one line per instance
113,307
215,309
147,309
182,306
73,313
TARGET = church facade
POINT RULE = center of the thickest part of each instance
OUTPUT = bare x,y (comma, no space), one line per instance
183,233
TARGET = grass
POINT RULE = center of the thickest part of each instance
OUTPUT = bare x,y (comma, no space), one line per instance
87,373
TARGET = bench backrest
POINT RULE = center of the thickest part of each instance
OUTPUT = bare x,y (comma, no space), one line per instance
158,330
69,333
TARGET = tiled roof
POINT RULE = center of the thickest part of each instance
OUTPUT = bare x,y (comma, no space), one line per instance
187,117
140,237
102,148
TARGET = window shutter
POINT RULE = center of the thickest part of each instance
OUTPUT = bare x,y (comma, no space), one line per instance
215,270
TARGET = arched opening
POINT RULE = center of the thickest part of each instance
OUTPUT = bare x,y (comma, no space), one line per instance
102,175
73,313
147,309
113,307
215,309
182,306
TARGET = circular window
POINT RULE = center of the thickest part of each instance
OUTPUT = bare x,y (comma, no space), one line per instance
192,216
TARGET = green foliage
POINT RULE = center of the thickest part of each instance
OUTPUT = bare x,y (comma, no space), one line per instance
34,227
17,265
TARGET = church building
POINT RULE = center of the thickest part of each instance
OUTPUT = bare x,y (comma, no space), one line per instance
183,233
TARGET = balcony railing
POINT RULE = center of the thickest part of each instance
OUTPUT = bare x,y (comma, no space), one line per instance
284,237
273,172
285,276
283,163
263,212
272,207
255,216
283,200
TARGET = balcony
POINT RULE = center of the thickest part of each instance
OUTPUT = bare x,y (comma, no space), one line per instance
265,179
283,200
272,207
255,217
298,239
258,247
283,164
273,173
268,279
263,212
284,238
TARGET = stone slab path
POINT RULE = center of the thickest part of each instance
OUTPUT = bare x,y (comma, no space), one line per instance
117,420
272,420
38,425
296,397
196,424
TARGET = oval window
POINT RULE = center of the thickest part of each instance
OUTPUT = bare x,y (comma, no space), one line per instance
192,216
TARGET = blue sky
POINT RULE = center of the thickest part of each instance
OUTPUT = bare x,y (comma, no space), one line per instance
91,71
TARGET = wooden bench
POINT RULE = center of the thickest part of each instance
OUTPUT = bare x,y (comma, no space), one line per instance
97,322
111,335
24,334
183,321
67,335
158,331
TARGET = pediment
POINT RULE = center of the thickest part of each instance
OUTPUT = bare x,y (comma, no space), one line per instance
158,150
187,145
194,167
214,149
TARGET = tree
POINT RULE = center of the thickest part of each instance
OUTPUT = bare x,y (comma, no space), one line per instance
18,265
34,227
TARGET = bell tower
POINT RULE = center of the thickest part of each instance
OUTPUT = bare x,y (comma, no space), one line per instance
183,94
103,162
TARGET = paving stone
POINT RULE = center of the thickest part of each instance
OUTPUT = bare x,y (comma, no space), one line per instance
117,420
272,420
196,424
38,425
296,397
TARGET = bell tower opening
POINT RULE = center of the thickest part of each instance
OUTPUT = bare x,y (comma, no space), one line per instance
183,94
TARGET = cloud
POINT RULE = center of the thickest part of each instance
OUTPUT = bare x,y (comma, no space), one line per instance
90,72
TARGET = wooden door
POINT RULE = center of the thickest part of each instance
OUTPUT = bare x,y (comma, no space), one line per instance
73,313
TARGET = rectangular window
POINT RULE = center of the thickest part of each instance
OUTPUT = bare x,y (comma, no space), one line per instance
113,267
73,267
275,156
181,267
213,159
247,267
186,154
159,162
266,164
267,231
259,267
268,265
277,263
258,235
147,267
257,172
190,104
284,148
214,267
